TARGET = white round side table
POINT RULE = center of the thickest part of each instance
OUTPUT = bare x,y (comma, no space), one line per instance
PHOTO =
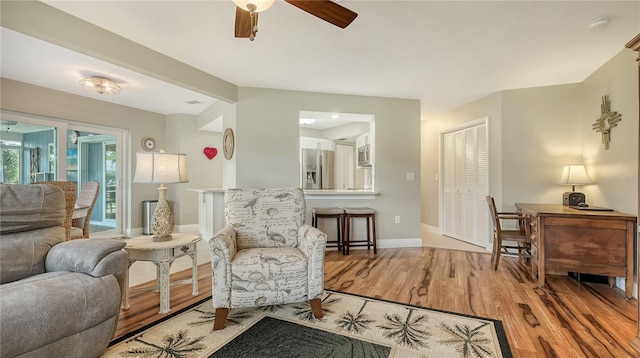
162,254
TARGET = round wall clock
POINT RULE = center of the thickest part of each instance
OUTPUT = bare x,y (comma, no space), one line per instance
148,143
228,143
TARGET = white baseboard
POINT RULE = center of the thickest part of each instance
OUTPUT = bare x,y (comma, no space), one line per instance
397,243
431,229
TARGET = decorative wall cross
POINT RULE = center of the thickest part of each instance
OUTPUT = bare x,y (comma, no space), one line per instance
606,121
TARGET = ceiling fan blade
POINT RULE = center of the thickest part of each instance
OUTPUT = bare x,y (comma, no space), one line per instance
243,23
326,10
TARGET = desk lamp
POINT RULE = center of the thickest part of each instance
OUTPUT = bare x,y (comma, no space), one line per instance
161,168
574,175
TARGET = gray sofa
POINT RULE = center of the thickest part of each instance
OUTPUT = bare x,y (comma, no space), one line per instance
57,298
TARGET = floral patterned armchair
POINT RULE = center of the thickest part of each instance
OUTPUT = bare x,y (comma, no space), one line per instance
266,255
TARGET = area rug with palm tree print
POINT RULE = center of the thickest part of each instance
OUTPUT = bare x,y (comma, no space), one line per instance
352,326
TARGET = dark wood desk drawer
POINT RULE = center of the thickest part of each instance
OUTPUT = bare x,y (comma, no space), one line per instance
593,222
582,247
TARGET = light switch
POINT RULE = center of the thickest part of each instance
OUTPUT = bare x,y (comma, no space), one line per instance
411,176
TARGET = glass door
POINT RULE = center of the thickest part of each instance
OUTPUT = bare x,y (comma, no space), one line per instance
97,161
36,148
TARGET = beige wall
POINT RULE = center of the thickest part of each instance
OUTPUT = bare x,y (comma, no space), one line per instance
535,131
267,133
172,133
540,134
430,146
184,136
615,170
266,146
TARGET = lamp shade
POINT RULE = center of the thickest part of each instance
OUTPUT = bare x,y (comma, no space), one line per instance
574,174
160,168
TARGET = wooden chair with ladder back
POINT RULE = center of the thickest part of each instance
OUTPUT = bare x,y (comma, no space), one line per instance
519,240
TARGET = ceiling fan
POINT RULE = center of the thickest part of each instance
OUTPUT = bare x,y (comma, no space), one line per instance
247,14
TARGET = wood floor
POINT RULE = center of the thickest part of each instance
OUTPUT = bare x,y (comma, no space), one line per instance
565,319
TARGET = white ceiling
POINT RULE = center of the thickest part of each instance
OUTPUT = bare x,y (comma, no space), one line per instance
443,53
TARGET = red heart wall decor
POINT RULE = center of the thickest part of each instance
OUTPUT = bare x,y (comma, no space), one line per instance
210,152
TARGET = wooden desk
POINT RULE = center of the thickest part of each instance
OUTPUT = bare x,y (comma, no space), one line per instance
571,240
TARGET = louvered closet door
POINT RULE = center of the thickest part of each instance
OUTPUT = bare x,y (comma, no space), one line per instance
465,179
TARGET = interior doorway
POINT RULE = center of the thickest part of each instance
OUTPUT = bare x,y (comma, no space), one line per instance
465,183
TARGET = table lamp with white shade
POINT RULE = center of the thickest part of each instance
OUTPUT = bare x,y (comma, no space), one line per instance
573,175
161,168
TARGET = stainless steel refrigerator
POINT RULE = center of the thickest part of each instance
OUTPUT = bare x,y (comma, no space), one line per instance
317,169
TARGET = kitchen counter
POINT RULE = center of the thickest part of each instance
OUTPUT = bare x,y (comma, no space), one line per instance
210,211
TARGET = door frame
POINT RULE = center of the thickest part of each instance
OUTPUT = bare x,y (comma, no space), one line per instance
483,120
103,139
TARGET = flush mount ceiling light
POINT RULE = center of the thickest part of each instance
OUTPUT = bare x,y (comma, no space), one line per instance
304,121
101,85
599,23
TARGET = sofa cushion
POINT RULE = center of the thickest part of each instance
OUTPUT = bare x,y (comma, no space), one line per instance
29,207
70,303
23,254
32,218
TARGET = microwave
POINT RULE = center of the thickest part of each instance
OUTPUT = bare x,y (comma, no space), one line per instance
364,156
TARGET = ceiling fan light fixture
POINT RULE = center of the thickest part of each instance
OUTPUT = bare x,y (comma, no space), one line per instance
100,85
254,5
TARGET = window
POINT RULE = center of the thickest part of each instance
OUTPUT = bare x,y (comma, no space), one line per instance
10,160
36,149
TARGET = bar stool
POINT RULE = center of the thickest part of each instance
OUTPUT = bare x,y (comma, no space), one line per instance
331,213
370,215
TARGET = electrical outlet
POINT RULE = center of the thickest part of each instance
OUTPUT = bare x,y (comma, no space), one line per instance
397,219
